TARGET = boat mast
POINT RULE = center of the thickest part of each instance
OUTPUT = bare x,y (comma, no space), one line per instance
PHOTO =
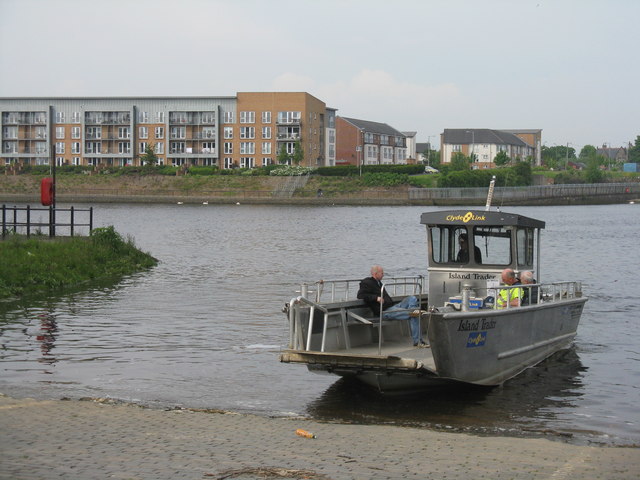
490,194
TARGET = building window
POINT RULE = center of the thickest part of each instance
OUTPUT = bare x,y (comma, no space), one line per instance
160,117
229,117
228,132
208,117
248,148
266,148
143,117
159,132
228,148
93,147
267,161
177,147
10,133
266,133
247,132
59,117
247,117
209,132
456,148
266,117
124,147
247,162
208,147
178,132
288,117
75,161
94,133
60,133
143,147
75,132
124,132
75,147
76,117
144,132
228,162
159,147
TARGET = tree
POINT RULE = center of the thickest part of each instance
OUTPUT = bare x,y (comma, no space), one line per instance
634,152
459,161
588,151
283,157
149,156
298,153
557,155
501,159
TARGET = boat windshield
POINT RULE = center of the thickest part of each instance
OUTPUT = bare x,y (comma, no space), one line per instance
452,244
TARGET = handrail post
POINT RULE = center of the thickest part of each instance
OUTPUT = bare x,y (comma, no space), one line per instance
71,222
4,220
380,321
28,221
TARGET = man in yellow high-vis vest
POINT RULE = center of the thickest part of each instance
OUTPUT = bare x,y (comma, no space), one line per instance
512,296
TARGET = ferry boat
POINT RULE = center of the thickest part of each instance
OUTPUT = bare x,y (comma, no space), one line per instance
469,339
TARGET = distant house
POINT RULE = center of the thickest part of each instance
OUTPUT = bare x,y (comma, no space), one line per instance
576,165
411,146
421,148
485,144
615,154
362,142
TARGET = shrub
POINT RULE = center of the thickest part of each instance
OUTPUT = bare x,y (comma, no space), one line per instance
290,171
384,179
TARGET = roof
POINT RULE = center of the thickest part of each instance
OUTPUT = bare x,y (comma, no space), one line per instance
421,147
373,127
611,152
463,136
479,217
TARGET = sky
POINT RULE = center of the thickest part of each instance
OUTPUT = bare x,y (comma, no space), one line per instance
568,67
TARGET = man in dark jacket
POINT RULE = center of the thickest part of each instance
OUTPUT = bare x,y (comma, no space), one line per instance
408,309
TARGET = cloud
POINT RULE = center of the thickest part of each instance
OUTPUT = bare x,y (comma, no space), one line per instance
379,96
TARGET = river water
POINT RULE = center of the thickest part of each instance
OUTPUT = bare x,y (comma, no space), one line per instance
204,328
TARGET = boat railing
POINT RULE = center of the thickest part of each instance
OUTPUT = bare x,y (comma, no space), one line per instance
330,291
303,308
534,293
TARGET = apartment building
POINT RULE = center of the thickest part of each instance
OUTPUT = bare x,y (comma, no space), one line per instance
247,130
361,142
484,144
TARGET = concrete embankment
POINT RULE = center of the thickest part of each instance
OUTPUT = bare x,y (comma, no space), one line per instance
79,440
316,191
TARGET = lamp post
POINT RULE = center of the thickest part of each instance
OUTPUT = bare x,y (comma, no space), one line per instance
361,148
473,142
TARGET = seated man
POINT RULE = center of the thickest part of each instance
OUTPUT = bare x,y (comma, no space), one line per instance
530,295
371,292
463,253
513,296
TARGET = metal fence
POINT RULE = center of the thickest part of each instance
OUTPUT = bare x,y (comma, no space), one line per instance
46,221
526,193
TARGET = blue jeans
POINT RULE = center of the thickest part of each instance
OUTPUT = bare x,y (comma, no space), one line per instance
401,312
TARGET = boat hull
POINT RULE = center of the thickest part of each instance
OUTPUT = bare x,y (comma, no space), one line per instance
487,347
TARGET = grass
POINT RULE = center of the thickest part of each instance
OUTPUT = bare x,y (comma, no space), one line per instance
39,264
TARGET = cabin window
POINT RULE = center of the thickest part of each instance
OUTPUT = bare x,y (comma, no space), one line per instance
494,243
445,243
525,247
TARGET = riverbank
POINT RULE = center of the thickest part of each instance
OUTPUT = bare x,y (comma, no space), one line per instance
233,189
43,439
39,264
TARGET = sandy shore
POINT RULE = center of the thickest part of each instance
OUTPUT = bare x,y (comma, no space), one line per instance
92,440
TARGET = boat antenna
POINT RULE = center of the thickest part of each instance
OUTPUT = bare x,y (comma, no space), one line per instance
490,194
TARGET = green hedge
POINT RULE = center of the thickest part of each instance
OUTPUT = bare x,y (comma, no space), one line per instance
519,175
353,170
